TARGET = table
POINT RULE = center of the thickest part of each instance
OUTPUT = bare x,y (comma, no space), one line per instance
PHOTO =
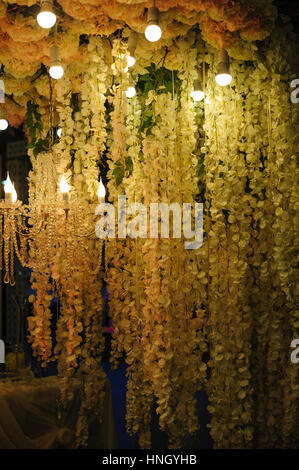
28,417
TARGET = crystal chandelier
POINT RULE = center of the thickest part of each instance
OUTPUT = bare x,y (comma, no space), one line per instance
39,233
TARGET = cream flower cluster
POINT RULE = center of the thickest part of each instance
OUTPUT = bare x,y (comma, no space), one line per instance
90,133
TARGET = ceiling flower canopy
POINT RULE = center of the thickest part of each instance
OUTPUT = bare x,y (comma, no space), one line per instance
222,22
25,46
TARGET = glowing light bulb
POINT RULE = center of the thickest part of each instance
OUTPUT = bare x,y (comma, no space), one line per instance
46,17
197,93
153,31
8,189
130,92
59,132
3,120
101,191
3,124
223,77
56,71
131,61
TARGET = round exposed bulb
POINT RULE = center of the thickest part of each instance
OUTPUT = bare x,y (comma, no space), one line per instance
3,124
56,71
197,95
130,92
153,32
223,79
59,132
46,17
131,61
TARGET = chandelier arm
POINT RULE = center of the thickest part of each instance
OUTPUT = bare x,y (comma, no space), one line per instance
31,234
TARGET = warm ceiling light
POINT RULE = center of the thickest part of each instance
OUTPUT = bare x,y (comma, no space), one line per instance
59,132
153,31
130,92
46,17
131,60
197,93
3,120
56,69
132,44
3,124
223,77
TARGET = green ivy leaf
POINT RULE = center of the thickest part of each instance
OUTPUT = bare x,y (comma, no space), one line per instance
129,165
119,174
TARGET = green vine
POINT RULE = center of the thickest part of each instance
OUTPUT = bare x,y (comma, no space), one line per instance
35,127
160,80
122,171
